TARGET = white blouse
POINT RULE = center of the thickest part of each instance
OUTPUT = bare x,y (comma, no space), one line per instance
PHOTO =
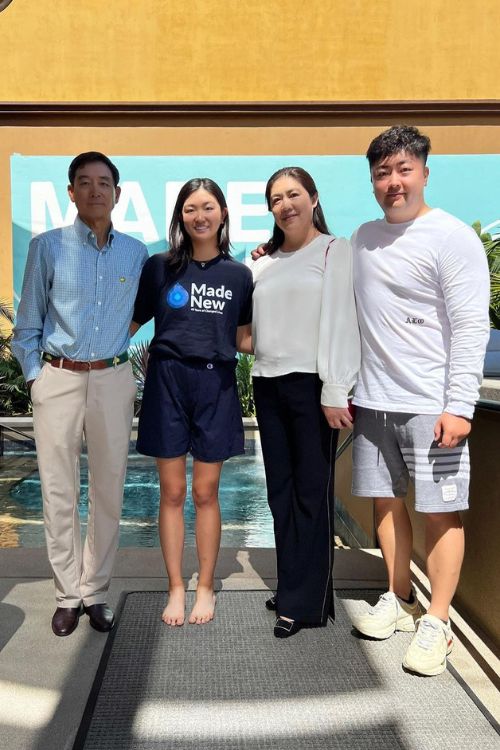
304,316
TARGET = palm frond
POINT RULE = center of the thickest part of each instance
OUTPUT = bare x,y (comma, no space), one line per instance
492,249
139,355
6,311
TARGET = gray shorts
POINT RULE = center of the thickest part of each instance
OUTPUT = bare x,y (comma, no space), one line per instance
391,447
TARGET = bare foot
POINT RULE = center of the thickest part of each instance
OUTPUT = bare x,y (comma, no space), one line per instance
173,614
204,606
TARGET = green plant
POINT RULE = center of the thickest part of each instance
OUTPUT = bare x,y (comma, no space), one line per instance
244,381
139,355
492,248
6,316
14,396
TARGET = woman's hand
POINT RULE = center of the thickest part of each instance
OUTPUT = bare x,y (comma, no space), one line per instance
258,252
338,417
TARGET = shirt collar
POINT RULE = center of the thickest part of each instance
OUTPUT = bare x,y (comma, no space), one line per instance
207,263
86,234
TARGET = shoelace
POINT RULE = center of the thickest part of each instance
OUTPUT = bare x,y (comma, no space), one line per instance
384,601
427,634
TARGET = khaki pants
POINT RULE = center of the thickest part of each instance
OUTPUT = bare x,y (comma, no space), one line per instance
66,407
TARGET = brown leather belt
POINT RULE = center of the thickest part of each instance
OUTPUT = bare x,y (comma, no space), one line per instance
96,364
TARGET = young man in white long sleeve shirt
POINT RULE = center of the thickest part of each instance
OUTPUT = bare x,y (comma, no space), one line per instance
422,292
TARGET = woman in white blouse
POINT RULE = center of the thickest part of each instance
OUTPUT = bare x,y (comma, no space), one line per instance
306,343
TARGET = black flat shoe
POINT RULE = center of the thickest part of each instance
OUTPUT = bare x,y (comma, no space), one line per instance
285,628
271,603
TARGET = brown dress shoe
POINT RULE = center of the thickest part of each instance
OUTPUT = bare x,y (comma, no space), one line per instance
101,617
65,620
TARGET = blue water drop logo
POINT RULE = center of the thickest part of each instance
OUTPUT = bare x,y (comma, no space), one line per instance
177,296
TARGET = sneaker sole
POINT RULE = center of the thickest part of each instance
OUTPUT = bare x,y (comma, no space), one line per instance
407,625
425,672
430,672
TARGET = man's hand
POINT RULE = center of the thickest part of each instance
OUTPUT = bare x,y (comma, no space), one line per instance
338,417
450,430
258,252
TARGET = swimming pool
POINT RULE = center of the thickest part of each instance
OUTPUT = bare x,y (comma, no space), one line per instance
246,520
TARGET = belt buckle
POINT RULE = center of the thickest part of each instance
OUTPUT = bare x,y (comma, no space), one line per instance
89,365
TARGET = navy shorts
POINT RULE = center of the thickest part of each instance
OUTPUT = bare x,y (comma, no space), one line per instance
190,408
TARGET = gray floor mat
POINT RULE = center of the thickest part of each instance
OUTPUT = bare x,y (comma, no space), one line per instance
231,684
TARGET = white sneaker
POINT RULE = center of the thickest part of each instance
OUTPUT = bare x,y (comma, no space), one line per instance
430,646
389,614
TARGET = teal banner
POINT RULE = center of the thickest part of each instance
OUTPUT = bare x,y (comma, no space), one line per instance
465,185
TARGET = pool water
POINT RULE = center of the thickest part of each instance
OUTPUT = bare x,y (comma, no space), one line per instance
246,520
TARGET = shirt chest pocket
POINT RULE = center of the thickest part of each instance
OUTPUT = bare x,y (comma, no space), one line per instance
124,282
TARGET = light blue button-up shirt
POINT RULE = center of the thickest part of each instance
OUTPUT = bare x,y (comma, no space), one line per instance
77,300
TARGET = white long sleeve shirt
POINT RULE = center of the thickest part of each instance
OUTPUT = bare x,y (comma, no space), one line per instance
422,293
304,316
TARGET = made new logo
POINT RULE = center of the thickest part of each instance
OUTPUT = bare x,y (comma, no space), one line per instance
177,296
209,299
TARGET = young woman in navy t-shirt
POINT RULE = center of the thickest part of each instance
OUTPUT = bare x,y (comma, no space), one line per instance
201,301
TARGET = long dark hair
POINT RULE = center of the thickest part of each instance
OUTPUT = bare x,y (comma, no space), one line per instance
181,248
307,182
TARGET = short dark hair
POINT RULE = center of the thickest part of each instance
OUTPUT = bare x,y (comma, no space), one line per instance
307,182
396,139
180,246
88,157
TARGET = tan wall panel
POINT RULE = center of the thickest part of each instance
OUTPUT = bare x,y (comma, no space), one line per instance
265,50
477,592
478,588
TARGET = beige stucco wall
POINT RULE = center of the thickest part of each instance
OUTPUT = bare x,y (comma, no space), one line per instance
265,50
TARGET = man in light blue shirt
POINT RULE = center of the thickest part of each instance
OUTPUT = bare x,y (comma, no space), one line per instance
71,338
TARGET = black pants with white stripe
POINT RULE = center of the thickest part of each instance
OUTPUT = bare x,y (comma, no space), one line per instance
299,458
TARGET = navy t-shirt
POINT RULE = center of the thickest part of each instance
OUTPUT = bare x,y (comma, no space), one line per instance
196,311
